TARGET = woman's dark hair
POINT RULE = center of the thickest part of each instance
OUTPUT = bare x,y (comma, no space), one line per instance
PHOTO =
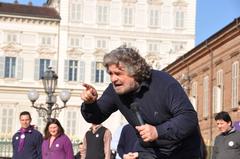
135,65
223,116
47,134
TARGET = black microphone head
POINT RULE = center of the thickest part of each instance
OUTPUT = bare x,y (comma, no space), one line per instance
134,107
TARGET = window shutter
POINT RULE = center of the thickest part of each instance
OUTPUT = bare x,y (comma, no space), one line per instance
130,16
156,18
19,68
81,71
93,71
205,96
66,69
71,122
54,65
2,66
36,71
235,71
107,77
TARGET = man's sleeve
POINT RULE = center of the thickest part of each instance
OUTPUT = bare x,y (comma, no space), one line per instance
184,118
99,111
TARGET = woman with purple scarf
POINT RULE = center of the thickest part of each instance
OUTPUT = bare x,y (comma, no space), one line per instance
56,144
26,141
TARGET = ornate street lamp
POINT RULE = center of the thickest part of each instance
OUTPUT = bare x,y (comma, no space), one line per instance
50,108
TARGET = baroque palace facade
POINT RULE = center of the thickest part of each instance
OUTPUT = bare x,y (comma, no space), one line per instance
209,73
72,36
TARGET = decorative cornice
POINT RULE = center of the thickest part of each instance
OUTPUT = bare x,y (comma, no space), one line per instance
193,75
219,61
156,2
129,1
153,59
12,49
14,18
74,53
205,69
180,3
104,0
126,33
46,52
234,54
152,55
99,53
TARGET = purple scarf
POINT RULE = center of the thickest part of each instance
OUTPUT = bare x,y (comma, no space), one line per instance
22,132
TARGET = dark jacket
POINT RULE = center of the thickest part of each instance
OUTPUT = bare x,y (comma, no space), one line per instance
227,145
32,145
164,104
127,140
95,144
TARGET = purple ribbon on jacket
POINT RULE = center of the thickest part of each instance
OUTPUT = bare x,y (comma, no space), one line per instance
23,132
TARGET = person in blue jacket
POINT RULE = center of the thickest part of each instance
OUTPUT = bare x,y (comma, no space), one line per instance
27,141
170,129
127,140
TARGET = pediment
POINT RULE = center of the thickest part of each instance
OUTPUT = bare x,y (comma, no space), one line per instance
180,3
155,2
129,1
152,56
99,52
11,47
153,60
74,52
46,50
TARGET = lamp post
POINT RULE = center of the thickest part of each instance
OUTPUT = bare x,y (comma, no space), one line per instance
50,108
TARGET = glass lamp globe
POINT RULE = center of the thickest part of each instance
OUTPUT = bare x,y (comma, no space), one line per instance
65,95
33,95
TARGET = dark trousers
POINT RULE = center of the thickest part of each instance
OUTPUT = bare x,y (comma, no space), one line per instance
146,155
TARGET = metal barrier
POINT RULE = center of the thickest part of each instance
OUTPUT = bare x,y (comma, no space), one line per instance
5,148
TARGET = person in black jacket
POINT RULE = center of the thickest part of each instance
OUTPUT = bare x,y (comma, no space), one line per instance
127,140
97,141
27,141
169,127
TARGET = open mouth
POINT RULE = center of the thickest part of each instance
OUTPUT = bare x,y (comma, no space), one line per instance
118,85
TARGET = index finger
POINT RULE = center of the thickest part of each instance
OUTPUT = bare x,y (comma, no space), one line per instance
87,86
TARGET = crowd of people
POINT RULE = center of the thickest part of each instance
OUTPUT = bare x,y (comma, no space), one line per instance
162,121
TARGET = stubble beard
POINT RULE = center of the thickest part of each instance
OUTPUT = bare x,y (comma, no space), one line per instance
126,88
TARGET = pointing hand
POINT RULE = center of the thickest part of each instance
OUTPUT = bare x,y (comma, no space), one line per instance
89,95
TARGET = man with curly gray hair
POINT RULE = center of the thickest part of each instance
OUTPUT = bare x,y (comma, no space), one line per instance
164,119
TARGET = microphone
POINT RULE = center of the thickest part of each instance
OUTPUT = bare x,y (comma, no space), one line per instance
135,108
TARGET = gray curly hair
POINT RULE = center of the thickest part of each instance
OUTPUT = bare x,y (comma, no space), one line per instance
136,65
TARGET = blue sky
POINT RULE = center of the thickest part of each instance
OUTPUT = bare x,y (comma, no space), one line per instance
211,16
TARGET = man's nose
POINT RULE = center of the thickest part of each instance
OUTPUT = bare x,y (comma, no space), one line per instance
114,78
